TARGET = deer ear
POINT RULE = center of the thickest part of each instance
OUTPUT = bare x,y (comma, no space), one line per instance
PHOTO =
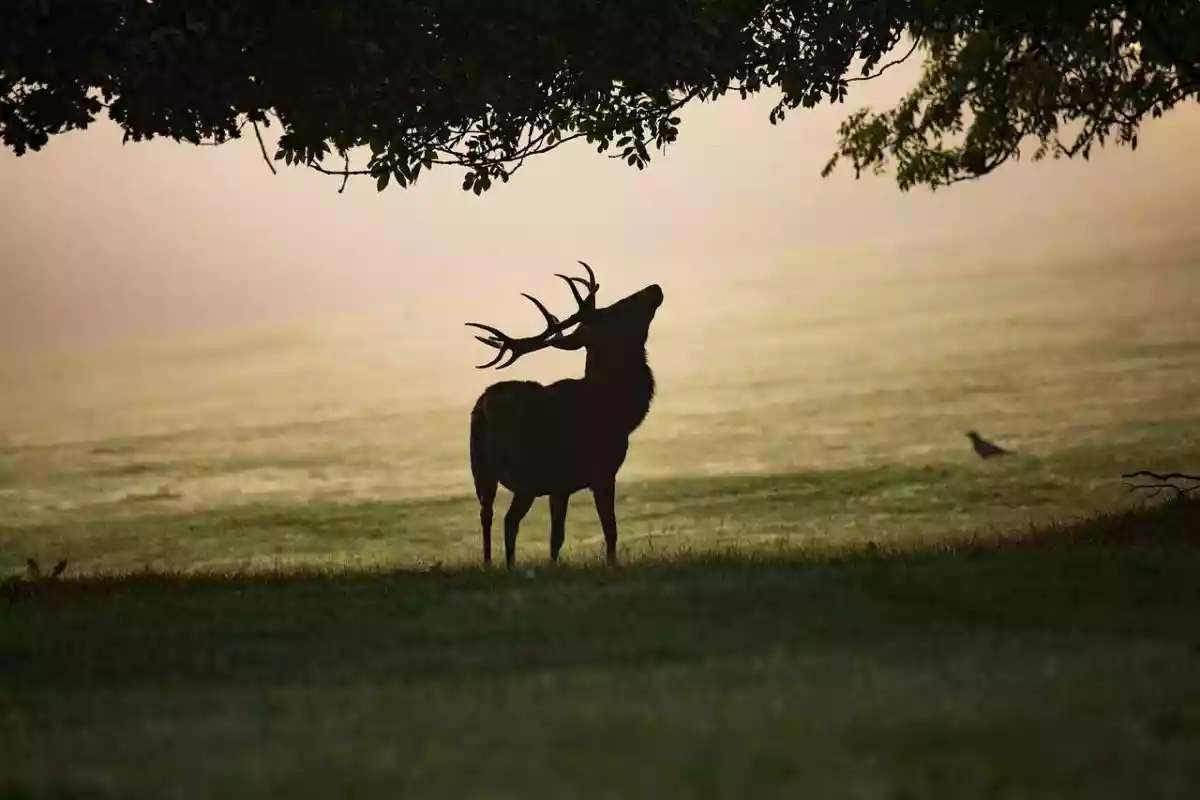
573,340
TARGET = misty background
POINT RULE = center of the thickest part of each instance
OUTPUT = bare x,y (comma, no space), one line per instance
187,296
103,240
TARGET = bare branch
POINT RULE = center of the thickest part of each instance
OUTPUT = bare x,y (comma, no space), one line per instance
1163,482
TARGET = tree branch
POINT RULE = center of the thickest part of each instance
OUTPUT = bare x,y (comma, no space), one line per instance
343,173
1163,482
894,63
263,147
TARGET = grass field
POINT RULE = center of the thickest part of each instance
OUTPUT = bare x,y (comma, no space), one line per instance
273,586
892,505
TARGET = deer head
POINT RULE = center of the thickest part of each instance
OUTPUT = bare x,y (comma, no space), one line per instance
608,333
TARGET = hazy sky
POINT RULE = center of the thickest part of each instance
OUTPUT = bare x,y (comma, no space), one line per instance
101,239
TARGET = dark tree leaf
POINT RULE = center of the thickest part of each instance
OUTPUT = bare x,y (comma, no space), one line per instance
485,86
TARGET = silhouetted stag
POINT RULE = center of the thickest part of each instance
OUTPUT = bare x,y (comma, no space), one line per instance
572,434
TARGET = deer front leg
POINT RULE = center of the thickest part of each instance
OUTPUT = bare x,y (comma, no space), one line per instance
517,509
558,523
604,493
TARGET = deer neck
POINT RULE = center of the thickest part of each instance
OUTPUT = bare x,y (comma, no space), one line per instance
625,388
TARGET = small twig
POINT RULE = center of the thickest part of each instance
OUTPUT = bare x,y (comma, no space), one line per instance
1164,482
338,172
894,63
263,147
1170,476
346,177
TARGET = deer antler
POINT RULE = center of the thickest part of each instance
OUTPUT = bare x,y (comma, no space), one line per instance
515,348
590,284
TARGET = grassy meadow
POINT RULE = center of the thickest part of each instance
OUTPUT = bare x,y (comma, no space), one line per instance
273,586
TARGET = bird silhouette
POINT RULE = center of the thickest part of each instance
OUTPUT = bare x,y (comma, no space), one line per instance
59,568
984,448
32,566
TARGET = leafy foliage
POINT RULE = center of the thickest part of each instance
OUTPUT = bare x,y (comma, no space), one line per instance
1067,76
486,84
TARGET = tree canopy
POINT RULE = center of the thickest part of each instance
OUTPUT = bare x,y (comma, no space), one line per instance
393,88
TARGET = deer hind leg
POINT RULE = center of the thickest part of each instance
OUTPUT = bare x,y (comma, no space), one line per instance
485,521
558,523
517,509
604,493
485,491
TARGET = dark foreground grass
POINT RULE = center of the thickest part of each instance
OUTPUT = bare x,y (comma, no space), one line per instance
1062,663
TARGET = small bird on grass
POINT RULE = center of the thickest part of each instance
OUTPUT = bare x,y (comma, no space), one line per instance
984,448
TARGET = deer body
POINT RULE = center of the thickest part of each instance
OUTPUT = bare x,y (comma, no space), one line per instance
554,440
